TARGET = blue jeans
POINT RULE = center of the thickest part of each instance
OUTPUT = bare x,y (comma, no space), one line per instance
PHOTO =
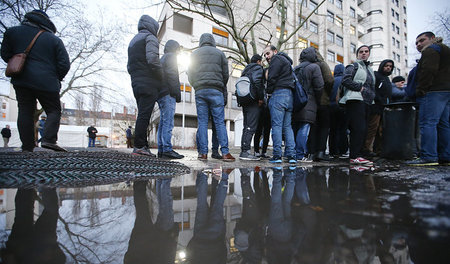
434,110
215,141
280,106
210,100
91,142
301,139
167,111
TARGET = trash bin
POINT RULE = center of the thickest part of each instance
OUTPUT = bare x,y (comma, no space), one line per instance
398,140
101,141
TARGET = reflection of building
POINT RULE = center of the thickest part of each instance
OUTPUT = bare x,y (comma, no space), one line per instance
8,107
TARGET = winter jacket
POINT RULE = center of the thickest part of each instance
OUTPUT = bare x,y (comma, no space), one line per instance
92,131
433,70
280,73
6,132
338,74
310,76
327,79
257,77
144,65
171,82
47,63
354,79
383,88
128,132
398,95
209,66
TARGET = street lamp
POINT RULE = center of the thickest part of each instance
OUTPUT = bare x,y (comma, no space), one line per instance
184,60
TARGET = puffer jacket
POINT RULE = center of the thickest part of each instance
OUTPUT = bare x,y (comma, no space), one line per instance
257,73
144,65
433,70
171,82
209,66
310,76
280,73
383,88
354,86
338,74
327,79
47,63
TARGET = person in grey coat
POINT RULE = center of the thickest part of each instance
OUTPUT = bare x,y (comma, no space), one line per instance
146,74
310,75
46,66
208,74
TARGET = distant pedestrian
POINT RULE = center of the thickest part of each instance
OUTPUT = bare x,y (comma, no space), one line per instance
129,135
146,74
208,74
40,124
6,134
46,66
92,133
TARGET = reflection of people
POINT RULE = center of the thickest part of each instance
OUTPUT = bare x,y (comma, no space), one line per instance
129,135
208,243
40,124
46,66
34,242
6,134
156,242
92,133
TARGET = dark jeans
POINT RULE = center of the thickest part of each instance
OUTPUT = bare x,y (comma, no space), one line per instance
319,130
338,140
251,116
263,128
26,100
145,104
357,114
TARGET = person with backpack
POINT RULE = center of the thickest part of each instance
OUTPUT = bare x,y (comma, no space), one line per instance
359,92
251,110
432,90
309,75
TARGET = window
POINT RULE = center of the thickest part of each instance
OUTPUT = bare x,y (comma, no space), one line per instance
352,48
397,16
404,9
339,3
188,92
302,19
278,35
304,2
393,55
331,1
313,27
397,29
220,36
378,45
339,41
352,30
330,16
313,6
398,44
373,12
392,12
404,22
330,56
393,27
182,23
406,49
302,43
393,41
406,36
396,3
236,70
374,29
406,63
340,58
330,36
352,12
234,103
338,21
399,72
312,44
398,57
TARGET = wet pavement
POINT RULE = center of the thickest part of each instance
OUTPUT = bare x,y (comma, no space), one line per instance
242,212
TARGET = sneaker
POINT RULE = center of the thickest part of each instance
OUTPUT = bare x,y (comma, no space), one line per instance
305,159
275,159
256,154
344,156
245,155
53,146
203,157
172,155
228,157
291,160
264,156
422,162
361,160
216,155
143,152
359,168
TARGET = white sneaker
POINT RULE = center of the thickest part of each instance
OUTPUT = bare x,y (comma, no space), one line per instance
305,159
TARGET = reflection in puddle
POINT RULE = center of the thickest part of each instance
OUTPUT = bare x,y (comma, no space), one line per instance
260,215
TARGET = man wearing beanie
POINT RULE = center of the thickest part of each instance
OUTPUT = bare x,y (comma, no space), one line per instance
46,66
398,89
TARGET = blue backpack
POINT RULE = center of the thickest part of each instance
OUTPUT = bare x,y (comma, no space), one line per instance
300,95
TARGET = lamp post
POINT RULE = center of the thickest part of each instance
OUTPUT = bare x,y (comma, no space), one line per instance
183,60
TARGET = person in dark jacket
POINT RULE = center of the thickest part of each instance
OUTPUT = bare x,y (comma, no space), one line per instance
337,142
359,92
92,134
208,74
169,95
280,84
383,92
146,74
129,135
433,96
6,134
46,66
40,124
309,74
398,90
252,111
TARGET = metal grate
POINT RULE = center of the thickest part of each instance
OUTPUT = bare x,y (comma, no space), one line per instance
79,169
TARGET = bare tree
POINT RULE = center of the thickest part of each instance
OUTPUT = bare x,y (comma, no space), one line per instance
79,115
95,101
441,23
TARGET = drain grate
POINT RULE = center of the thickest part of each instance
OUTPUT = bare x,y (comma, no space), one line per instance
79,169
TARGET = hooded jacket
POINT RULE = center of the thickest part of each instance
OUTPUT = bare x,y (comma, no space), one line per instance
357,77
338,74
433,70
171,82
209,66
144,65
280,73
383,88
47,63
257,76
310,76
327,79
